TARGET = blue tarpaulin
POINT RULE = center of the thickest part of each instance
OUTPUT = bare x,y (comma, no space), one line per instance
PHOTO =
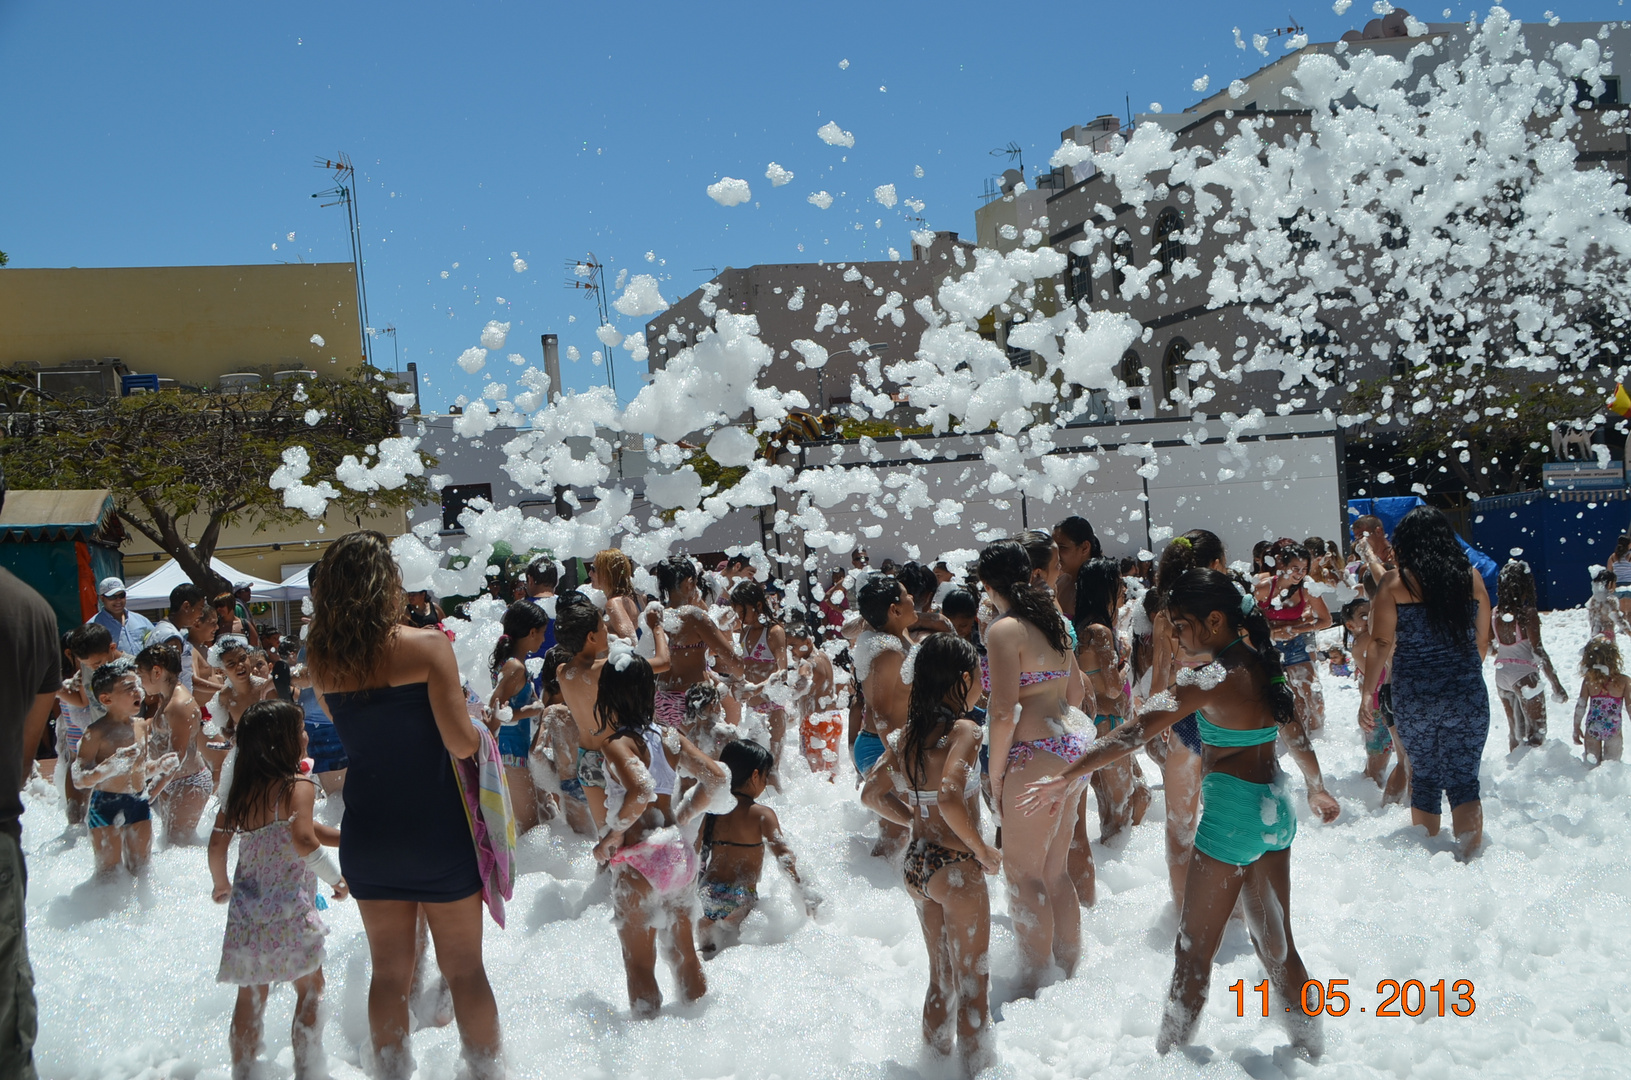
1559,534
1392,510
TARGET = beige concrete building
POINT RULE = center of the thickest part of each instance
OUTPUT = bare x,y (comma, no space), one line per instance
858,312
189,324
81,331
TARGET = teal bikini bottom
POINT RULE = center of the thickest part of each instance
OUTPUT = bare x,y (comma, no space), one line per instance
1240,820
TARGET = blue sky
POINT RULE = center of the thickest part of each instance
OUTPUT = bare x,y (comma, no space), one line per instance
184,133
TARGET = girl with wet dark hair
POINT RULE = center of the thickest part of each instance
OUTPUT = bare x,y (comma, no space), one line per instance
1430,627
1076,543
1037,726
930,783
1294,615
1100,593
1520,658
1242,707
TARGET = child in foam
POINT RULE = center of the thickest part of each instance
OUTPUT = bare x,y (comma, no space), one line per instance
733,850
176,726
113,763
514,708
929,782
764,658
87,648
1520,658
649,848
273,931
1600,709
231,654
1242,704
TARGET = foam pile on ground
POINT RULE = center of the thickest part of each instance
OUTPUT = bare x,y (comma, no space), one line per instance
1536,923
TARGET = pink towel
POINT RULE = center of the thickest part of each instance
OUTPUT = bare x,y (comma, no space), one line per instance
487,810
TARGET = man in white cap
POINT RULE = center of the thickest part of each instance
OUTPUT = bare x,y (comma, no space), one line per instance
129,628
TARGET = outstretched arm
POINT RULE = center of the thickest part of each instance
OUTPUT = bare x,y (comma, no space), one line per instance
1160,712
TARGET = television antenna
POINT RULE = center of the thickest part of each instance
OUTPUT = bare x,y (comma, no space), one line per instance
344,193
589,275
1013,153
1286,31
396,351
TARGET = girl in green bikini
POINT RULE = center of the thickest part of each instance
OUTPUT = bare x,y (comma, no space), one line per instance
1242,704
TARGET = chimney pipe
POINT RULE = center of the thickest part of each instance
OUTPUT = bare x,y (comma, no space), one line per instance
552,366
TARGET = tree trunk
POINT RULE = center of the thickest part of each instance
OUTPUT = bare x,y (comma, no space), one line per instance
194,560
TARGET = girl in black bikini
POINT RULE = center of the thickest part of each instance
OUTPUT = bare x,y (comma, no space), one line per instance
733,850
930,783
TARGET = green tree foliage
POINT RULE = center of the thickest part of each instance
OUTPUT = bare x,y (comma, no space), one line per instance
175,455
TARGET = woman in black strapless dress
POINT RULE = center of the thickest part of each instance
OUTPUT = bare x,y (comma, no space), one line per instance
405,845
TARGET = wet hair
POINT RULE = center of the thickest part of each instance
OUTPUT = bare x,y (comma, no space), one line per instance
356,597
543,571
1005,569
226,643
751,594
554,657
268,760
162,656
702,697
615,572
1079,531
744,758
1622,547
1350,610
1097,583
1605,576
1282,551
1436,571
1260,549
800,628
918,579
1039,548
946,666
186,593
1195,548
1515,588
960,603
1600,652
91,639
738,561
106,677
626,696
671,573
880,593
520,619
576,620
1200,592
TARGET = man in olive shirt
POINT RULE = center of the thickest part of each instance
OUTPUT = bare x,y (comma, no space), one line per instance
29,676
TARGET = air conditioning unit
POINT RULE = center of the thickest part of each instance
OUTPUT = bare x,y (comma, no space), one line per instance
239,382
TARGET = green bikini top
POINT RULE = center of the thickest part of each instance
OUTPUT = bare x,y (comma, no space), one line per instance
1212,735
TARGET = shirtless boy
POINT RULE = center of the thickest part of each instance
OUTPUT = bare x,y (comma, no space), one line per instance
113,763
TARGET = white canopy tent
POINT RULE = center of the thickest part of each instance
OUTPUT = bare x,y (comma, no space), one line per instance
153,591
297,586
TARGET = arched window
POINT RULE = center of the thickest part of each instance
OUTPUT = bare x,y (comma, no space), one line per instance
1131,372
1175,372
1169,245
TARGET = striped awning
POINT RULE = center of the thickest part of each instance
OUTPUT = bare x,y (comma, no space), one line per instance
55,515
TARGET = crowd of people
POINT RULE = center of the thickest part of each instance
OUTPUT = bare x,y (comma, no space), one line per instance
650,710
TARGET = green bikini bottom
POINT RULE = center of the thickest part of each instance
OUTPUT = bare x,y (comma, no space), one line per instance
1241,820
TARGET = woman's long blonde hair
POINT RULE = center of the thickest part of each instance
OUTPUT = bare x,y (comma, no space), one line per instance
357,601
615,572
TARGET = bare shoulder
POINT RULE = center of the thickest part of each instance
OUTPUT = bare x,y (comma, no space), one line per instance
765,818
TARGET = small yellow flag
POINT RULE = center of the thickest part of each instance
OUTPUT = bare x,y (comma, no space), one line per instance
1621,401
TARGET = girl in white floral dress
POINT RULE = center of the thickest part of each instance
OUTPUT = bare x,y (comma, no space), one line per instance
273,931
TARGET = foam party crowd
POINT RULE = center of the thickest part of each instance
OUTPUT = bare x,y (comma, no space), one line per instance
1060,763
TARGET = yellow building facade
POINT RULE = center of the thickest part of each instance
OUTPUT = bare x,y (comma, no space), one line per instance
191,325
